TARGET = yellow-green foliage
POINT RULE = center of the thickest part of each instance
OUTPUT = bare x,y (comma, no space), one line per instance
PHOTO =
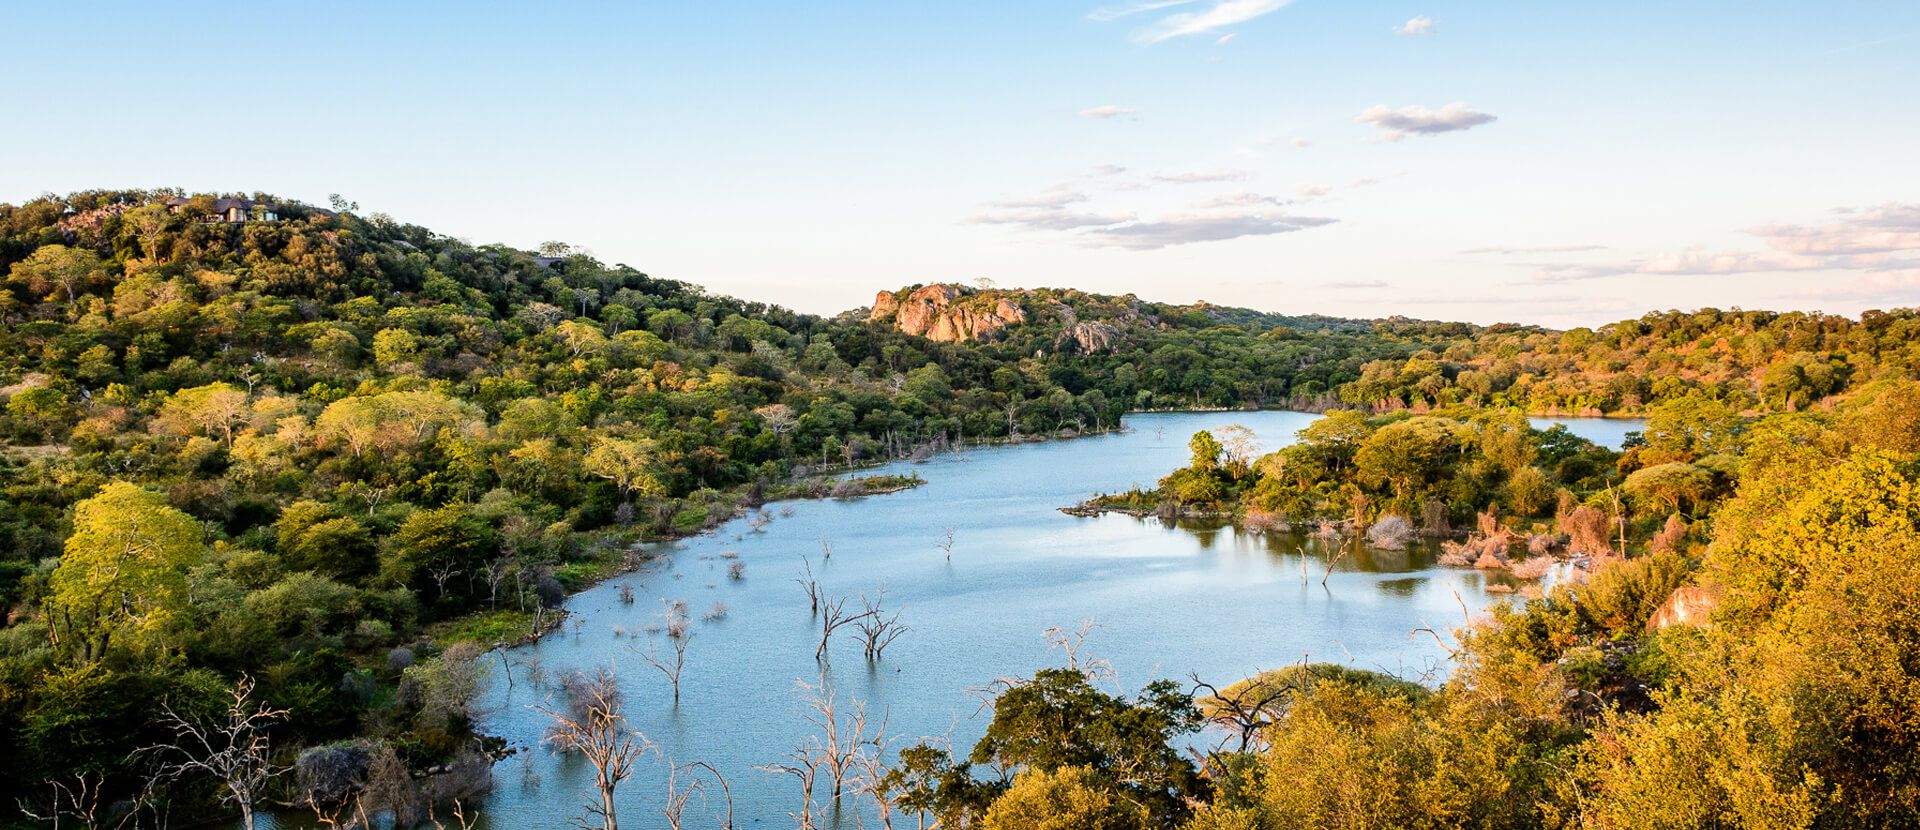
123,577
1068,798
1349,757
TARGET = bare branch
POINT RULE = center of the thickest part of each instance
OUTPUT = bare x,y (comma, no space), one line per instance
878,631
592,724
678,633
237,753
812,586
833,615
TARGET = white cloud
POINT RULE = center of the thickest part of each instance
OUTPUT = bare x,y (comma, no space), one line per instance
1353,285
1105,111
1420,25
1107,170
1201,176
1302,143
1224,38
1396,124
1311,191
1218,14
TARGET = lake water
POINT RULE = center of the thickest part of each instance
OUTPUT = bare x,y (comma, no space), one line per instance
1168,601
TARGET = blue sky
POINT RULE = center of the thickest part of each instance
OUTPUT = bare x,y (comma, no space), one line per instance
1554,162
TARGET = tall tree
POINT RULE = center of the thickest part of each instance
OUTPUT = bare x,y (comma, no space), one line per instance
124,572
628,463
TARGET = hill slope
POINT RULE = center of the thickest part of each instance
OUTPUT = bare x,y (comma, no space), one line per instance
365,440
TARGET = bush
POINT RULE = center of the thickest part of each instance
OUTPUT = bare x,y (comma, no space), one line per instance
1390,533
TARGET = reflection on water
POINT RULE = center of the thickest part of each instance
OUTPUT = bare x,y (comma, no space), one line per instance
1170,598
1403,587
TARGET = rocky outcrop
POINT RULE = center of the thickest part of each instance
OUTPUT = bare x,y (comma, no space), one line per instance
1089,337
1687,605
947,313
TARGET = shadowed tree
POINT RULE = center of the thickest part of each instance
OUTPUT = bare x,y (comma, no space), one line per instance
236,752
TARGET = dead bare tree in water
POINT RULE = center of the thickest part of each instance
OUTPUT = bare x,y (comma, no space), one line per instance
878,631
812,586
841,748
804,764
871,777
236,753
1332,560
461,819
834,615
946,545
726,791
847,746
678,633
674,809
593,724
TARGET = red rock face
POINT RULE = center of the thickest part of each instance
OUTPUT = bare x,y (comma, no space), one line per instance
946,314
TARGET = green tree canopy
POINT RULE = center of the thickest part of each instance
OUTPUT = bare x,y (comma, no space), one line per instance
123,577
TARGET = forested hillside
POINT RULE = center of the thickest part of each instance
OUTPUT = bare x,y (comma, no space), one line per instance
284,447
1206,355
248,440
1752,360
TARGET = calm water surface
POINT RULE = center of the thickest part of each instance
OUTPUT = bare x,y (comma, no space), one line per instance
1168,601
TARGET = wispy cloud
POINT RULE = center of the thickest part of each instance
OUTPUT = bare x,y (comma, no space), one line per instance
1189,228
1049,219
1887,228
1111,13
1105,111
1241,199
1302,143
1355,285
1421,25
1200,176
1227,216
1311,191
1369,181
1884,239
1215,16
1550,249
1397,124
1051,210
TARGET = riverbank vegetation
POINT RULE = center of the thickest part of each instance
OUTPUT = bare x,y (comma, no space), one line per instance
1754,669
298,474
